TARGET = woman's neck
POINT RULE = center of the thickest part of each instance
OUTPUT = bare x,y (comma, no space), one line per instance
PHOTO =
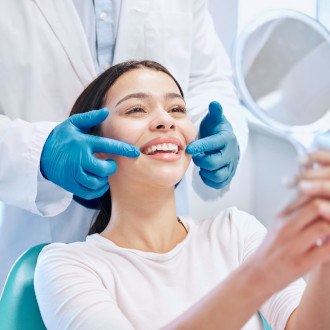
144,218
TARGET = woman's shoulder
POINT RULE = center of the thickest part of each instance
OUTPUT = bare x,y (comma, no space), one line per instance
63,249
61,262
69,253
230,216
231,232
230,222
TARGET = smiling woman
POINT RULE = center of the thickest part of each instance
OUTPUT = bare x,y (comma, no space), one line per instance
142,95
143,267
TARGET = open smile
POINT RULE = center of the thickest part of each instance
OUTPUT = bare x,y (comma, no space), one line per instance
166,148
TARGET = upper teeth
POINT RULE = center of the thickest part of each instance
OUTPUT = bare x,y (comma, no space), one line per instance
164,146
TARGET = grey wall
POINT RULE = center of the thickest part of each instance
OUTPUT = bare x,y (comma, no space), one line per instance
224,15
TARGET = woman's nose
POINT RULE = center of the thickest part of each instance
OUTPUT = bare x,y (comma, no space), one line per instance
163,122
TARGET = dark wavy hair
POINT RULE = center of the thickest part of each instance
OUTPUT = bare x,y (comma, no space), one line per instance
94,97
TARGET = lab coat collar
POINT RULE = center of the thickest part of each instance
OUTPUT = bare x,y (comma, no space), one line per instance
65,23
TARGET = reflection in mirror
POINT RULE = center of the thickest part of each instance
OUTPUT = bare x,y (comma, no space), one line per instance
282,70
289,76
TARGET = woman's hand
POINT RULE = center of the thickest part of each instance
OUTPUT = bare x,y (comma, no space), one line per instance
295,245
313,310
314,181
299,241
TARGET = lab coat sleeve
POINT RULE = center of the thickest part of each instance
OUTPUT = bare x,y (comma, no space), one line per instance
211,80
74,296
21,183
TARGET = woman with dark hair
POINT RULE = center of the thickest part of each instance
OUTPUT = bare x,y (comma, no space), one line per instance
94,97
143,267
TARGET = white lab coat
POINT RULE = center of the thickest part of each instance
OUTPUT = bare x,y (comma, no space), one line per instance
45,63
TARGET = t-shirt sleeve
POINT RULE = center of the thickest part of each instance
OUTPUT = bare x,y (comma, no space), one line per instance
71,295
279,307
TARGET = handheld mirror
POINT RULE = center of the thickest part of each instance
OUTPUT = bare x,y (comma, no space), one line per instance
282,72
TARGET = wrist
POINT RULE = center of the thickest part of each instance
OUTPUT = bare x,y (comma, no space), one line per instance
322,271
259,279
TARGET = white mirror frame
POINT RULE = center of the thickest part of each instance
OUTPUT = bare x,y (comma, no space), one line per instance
245,95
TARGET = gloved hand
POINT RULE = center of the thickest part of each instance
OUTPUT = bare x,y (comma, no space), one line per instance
217,150
68,159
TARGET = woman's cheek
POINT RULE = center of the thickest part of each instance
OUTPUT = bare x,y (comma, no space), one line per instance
191,133
125,130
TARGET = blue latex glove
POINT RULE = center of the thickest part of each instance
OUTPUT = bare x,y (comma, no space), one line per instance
68,159
217,150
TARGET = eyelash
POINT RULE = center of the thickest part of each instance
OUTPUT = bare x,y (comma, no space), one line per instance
133,110
181,109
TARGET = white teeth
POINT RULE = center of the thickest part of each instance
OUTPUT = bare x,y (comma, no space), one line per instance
164,147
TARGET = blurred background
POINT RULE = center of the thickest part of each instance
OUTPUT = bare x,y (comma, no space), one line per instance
257,187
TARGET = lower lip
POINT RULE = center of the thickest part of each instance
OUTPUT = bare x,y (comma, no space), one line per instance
167,156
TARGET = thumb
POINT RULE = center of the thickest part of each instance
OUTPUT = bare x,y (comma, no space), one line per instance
216,113
86,120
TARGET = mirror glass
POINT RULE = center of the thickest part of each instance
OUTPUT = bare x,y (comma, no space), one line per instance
282,67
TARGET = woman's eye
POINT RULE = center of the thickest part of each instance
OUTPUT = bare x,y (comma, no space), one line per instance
135,110
179,109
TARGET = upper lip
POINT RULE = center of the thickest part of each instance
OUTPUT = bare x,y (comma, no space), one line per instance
161,140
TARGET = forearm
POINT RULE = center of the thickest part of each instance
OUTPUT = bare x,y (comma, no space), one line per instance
229,305
313,311
21,144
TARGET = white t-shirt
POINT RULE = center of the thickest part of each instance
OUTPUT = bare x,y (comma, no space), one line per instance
99,285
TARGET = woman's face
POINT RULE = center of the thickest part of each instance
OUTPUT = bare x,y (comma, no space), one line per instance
147,110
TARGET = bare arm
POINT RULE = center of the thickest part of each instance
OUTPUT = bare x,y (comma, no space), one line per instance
230,305
313,311
287,253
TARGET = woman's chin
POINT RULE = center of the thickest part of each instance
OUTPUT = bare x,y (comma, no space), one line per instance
164,180
153,174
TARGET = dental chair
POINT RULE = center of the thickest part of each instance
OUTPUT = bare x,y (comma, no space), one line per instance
265,323
18,304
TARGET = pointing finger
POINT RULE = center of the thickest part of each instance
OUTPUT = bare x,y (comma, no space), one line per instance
209,143
110,146
89,119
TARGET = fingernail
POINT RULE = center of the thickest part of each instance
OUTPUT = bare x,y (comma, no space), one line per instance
136,151
302,159
306,186
289,182
105,108
188,150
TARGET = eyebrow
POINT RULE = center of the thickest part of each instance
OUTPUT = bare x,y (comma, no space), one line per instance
146,95
173,96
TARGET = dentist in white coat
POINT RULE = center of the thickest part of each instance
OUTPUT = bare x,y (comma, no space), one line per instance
50,51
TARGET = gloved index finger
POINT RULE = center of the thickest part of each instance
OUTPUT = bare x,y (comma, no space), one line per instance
209,143
111,146
86,120
216,112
